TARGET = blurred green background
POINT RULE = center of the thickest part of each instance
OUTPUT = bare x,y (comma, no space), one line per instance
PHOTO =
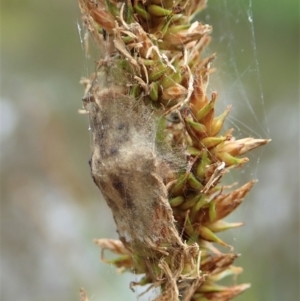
50,208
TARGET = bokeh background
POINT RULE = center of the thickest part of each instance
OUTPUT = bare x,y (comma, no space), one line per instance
50,208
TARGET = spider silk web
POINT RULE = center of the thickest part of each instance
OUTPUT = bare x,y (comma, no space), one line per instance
237,81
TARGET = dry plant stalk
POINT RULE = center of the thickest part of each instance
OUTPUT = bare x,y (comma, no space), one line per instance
158,157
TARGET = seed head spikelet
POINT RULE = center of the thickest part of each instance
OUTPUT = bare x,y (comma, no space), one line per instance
159,153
